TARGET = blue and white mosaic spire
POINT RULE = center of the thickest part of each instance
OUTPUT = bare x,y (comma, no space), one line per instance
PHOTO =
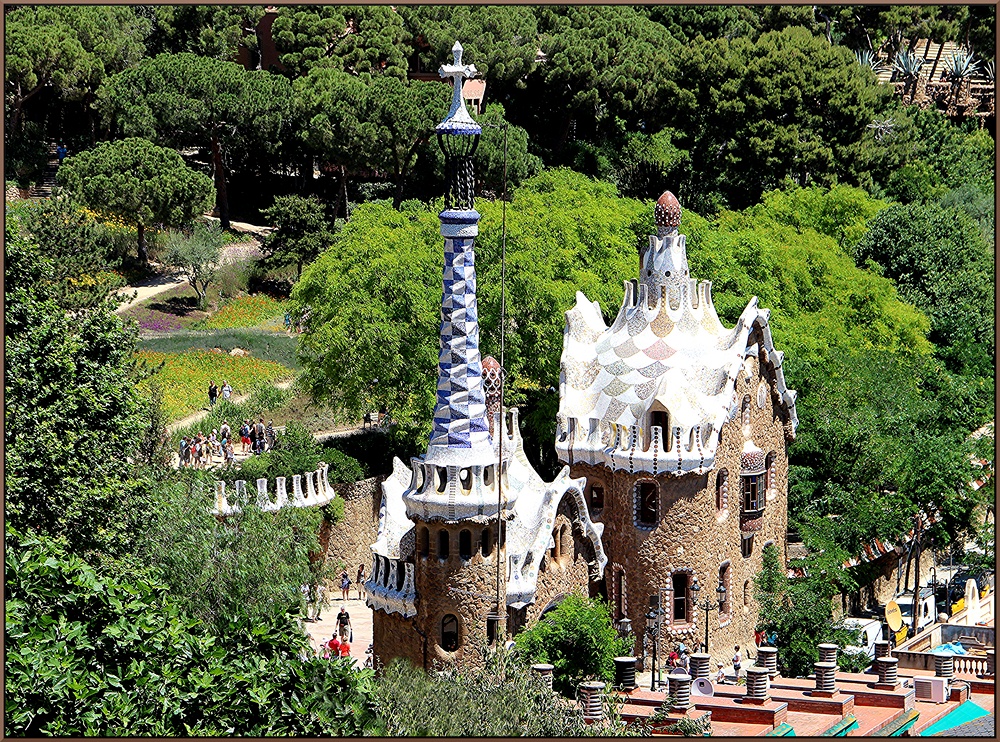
461,430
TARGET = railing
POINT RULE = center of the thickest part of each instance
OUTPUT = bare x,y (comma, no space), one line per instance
317,491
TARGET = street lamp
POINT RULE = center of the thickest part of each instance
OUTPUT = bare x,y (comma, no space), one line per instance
707,606
654,619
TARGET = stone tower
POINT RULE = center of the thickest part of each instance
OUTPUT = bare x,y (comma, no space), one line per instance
680,427
464,531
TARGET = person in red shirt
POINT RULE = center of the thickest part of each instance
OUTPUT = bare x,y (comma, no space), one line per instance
332,648
345,649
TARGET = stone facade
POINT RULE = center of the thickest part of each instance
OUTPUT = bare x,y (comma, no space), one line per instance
565,567
693,534
349,542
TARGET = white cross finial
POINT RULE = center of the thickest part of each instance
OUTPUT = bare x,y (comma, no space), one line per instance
458,119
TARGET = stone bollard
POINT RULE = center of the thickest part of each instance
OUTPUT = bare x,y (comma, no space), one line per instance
700,665
590,697
544,671
881,648
757,678
768,657
826,676
221,503
887,667
944,665
625,673
263,501
991,663
828,652
679,686
241,491
281,498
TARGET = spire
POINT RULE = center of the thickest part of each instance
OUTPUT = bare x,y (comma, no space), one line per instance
461,431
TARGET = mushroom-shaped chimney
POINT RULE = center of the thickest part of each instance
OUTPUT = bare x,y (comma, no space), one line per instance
667,214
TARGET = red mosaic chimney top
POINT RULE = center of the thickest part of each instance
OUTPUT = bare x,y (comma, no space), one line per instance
667,211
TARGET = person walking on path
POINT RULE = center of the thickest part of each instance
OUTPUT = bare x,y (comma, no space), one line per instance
182,452
227,391
61,152
345,585
344,624
269,434
213,393
229,453
361,579
245,435
331,650
737,661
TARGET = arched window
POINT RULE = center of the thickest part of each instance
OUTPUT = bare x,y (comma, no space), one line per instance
487,542
770,479
465,544
722,490
619,594
660,419
423,541
449,633
596,497
746,592
724,574
400,574
488,475
465,477
647,506
746,546
444,544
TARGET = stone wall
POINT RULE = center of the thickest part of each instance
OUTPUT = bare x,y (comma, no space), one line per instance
565,572
395,636
692,535
349,541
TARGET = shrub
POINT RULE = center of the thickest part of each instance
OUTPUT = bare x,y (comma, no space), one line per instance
579,639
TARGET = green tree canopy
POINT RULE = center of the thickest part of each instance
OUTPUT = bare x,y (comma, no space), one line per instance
139,182
68,48
206,30
358,39
197,256
940,261
183,100
71,415
755,113
301,232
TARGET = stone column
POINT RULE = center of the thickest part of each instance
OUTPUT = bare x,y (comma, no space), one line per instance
757,683
263,501
827,652
991,663
544,671
944,665
887,667
241,491
625,673
881,648
221,503
590,697
700,665
679,686
297,490
826,675
768,657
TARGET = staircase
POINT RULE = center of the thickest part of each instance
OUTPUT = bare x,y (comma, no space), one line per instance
43,188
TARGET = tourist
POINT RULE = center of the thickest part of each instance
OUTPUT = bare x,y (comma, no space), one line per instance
227,391
345,585
245,435
737,661
225,431
213,393
682,662
61,152
260,431
288,322
332,648
345,649
320,601
182,452
229,453
213,446
269,434
344,624
673,658
361,579
720,674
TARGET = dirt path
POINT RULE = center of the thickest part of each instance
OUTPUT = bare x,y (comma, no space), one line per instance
150,288
203,413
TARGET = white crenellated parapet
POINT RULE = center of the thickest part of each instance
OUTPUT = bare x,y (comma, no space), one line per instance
318,492
391,586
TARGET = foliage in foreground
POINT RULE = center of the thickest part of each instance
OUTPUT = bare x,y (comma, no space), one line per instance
578,638
72,414
98,654
503,698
